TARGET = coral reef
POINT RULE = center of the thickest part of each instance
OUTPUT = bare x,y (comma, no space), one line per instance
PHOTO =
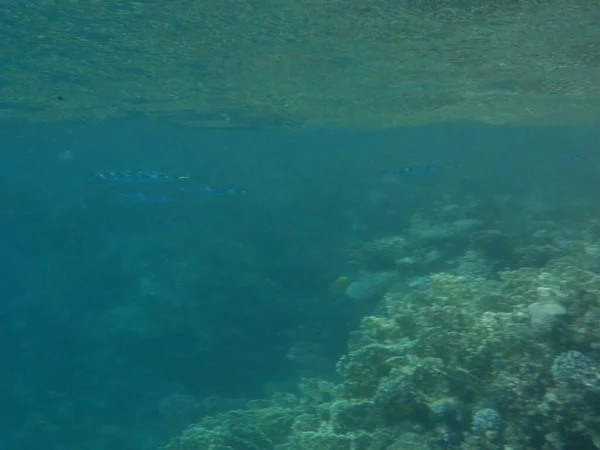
451,360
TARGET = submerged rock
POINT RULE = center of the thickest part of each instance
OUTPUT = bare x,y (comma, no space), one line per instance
370,287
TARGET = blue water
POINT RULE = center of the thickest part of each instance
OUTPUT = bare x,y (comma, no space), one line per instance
114,301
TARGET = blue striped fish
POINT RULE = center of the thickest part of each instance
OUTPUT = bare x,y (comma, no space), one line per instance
139,176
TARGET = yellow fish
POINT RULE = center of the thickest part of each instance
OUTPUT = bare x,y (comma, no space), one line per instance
341,283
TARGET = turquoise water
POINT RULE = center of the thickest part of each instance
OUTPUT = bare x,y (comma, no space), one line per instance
131,310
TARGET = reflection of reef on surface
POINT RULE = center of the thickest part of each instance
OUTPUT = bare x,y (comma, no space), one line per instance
283,63
454,361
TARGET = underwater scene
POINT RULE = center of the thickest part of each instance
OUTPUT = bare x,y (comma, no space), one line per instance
171,288
300,225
